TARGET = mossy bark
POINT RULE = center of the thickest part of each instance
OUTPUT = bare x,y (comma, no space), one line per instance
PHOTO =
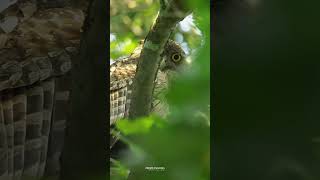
171,12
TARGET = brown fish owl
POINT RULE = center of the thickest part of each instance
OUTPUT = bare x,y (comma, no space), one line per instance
123,71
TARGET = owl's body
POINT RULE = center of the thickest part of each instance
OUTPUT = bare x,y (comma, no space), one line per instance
121,77
122,73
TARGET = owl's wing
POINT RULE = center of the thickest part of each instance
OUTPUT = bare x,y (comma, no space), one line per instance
122,73
121,76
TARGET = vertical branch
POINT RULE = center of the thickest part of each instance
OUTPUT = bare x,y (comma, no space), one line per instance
85,150
171,12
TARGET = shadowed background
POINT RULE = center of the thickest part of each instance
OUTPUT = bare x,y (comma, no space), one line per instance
266,81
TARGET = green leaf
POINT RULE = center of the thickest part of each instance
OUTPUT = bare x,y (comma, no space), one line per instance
139,126
118,171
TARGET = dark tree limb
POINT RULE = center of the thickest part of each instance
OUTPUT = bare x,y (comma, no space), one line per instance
85,150
171,12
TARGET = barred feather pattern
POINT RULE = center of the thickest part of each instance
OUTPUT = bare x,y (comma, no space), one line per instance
35,60
120,98
32,123
121,77
122,73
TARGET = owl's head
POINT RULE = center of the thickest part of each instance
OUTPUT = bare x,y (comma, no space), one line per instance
173,57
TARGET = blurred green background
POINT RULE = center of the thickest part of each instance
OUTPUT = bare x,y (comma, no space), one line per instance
130,21
180,143
266,79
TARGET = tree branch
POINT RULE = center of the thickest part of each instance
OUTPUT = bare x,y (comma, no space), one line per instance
85,150
171,12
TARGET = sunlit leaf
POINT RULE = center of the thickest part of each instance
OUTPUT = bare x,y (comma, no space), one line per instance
118,171
181,141
139,126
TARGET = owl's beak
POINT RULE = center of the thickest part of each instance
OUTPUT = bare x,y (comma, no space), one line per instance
166,65
163,65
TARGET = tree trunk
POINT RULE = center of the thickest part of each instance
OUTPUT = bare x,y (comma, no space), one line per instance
169,15
85,151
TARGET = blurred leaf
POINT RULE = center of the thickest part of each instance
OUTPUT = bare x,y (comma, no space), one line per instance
118,171
182,149
181,142
139,126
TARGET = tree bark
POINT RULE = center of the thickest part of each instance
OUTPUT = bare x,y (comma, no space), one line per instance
85,151
171,12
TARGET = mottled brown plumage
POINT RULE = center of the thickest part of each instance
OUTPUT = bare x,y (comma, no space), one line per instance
35,55
123,71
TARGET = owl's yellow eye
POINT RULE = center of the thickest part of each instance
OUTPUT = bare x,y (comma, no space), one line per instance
176,57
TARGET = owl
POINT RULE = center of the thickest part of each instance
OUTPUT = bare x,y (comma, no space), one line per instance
123,71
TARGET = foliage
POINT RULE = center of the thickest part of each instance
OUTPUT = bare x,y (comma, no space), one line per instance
118,171
179,145
131,21
138,126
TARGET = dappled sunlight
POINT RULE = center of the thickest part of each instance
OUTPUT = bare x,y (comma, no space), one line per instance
176,146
